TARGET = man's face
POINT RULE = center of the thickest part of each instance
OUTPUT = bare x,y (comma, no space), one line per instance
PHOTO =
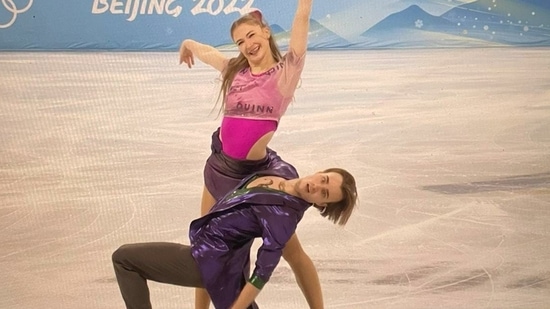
320,188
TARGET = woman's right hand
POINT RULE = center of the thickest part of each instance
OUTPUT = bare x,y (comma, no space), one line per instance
186,55
207,54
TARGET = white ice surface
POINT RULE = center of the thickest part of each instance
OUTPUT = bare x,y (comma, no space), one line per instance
450,148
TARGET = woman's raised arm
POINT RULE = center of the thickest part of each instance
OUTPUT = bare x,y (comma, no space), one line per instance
300,27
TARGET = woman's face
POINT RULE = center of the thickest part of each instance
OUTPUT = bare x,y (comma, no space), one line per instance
252,41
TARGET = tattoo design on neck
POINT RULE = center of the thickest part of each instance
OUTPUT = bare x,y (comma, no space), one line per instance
282,186
266,185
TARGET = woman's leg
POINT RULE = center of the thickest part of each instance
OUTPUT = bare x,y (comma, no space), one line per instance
202,299
207,201
162,262
305,272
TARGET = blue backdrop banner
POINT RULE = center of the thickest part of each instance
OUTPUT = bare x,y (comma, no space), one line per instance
335,24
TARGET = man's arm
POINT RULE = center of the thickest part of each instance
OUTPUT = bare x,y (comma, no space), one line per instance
305,272
207,54
277,228
247,296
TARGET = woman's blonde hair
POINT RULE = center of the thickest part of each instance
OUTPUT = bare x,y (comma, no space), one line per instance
240,62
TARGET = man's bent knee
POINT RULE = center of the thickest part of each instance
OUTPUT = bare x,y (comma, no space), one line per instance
121,254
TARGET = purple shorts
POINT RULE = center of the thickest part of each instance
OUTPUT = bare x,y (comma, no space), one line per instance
223,173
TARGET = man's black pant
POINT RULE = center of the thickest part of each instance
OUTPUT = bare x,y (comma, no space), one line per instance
159,261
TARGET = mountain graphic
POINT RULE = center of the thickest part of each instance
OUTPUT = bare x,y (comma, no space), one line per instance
476,24
513,5
412,17
322,37
534,12
516,22
275,29
319,37
414,28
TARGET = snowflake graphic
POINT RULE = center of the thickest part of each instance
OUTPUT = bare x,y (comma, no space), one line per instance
418,23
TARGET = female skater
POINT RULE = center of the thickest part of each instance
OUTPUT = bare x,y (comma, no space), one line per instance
257,87
265,205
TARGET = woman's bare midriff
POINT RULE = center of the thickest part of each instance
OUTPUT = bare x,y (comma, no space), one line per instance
259,150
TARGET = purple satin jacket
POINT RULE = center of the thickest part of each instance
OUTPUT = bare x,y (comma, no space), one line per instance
221,240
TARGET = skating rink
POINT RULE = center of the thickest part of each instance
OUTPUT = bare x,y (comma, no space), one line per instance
450,148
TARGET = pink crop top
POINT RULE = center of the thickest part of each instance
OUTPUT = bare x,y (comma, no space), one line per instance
256,102
266,95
